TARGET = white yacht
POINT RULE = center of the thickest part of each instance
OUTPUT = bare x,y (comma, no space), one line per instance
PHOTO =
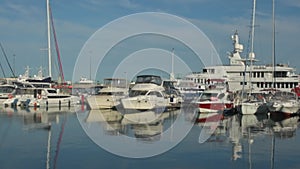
38,97
6,92
109,96
284,102
147,93
237,73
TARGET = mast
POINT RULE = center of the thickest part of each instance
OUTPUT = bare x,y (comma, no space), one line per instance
172,71
49,38
273,44
251,54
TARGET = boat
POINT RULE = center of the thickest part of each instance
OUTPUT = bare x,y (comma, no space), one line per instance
173,94
6,92
296,90
39,97
110,95
236,77
147,93
255,103
214,100
189,90
284,102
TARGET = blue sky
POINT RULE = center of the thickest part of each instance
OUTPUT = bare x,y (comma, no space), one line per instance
23,27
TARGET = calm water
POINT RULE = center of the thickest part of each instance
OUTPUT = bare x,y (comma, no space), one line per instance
26,141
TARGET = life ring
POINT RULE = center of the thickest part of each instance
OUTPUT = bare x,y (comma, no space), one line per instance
39,96
10,96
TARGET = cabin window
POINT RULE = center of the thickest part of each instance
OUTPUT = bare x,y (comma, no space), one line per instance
254,74
154,93
295,84
286,85
262,74
278,85
221,96
258,74
257,84
282,85
241,83
270,85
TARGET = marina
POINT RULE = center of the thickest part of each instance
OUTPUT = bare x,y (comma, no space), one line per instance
146,101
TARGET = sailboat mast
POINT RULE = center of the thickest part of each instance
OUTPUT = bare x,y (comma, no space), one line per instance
172,66
49,38
273,43
251,54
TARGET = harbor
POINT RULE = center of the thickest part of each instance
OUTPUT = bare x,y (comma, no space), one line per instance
135,88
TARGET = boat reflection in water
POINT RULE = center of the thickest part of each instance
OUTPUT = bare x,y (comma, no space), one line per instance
109,119
242,131
143,126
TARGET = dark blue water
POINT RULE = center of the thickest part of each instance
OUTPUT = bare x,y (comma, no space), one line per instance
235,141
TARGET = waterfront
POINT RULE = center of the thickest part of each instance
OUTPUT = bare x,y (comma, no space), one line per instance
237,142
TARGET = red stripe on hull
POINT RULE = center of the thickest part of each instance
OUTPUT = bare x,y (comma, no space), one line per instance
210,118
216,106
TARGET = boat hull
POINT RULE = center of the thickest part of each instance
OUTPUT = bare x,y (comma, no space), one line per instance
103,102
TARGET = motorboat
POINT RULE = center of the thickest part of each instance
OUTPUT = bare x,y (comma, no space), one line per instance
39,97
285,102
110,95
6,92
173,94
212,101
147,93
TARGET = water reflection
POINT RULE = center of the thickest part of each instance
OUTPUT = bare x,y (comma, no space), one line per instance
241,134
239,129
146,126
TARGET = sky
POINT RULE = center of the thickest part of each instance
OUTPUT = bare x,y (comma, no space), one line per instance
24,36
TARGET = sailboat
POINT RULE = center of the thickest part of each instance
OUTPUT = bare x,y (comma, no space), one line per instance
38,91
285,102
255,102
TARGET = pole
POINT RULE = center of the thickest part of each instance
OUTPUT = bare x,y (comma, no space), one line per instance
49,38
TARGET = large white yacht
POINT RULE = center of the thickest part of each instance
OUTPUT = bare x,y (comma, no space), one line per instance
109,96
147,93
237,73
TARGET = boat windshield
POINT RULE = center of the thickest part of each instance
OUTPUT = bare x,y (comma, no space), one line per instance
52,91
134,93
115,82
149,79
111,93
208,96
7,89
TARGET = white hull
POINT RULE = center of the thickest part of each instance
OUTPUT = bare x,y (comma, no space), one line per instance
144,103
285,107
253,108
103,102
